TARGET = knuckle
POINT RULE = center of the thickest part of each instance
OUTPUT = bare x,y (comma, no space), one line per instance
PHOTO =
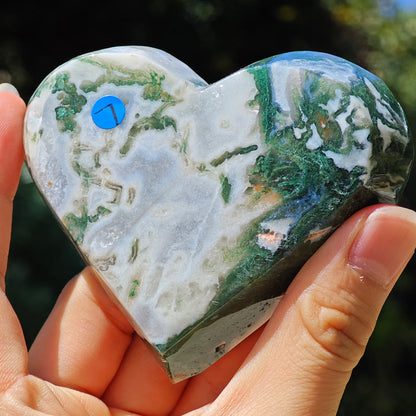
333,321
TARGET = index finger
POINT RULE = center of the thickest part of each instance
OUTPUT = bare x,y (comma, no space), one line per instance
12,109
12,346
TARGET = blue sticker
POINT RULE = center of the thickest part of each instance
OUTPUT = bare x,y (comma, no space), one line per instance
108,112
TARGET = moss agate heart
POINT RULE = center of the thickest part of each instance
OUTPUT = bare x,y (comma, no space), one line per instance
197,204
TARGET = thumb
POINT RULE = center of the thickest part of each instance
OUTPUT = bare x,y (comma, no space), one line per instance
304,358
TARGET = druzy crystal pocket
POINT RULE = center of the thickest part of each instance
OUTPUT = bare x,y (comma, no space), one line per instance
196,203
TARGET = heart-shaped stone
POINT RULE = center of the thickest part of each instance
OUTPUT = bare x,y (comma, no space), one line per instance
196,203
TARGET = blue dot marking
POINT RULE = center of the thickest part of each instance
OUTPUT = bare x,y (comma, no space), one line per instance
108,112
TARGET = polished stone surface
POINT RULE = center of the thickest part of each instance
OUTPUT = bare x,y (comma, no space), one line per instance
198,203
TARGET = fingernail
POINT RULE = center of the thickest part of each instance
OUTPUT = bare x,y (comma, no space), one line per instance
9,87
384,245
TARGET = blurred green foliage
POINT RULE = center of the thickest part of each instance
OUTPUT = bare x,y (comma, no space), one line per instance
387,47
215,38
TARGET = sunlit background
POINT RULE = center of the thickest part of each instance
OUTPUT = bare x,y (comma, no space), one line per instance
215,38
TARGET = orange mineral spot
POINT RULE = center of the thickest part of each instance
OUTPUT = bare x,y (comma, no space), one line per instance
271,237
258,188
317,235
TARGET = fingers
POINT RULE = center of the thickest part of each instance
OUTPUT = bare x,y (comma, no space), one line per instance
318,333
84,339
141,385
88,345
12,110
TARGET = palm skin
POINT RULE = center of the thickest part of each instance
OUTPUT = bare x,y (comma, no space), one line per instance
87,359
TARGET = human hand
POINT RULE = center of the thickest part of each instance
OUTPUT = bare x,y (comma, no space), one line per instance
87,360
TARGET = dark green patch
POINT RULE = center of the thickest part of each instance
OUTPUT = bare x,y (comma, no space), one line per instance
133,288
84,173
155,122
71,102
225,188
228,155
77,225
